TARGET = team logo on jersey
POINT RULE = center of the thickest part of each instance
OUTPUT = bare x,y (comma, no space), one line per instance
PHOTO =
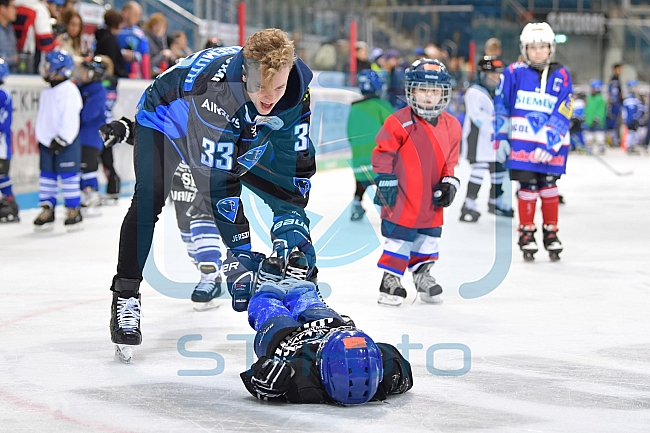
556,84
303,185
250,158
499,122
273,122
566,107
228,207
537,121
553,137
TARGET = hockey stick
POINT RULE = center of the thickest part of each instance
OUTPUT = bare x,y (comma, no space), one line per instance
384,203
606,164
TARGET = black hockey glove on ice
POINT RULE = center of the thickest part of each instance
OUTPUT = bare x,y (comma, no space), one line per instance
58,144
117,132
445,191
272,377
386,194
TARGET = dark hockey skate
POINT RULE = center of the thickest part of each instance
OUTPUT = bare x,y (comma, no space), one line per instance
468,215
527,243
125,318
357,211
45,220
297,266
209,288
496,209
426,285
391,291
271,271
73,220
9,211
551,242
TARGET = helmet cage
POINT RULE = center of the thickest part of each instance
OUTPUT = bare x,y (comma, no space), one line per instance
427,112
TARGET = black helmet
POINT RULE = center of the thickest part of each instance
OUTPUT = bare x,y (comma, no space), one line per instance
491,64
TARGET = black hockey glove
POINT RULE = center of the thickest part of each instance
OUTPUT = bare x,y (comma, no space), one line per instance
386,194
289,232
445,191
240,269
117,132
57,145
272,377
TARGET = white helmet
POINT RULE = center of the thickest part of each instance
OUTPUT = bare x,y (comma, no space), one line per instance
537,32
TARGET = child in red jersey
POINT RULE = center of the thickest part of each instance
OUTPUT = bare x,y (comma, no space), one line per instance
417,150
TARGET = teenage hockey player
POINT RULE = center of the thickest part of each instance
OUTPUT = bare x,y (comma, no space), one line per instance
92,72
366,117
417,151
308,353
533,105
57,131
634,116
234,116
8,205
478,142
595,116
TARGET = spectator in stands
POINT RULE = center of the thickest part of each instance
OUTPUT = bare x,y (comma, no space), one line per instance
33,32
213,42
133,42
70,41
362,57
55,6
8,49
178,45
68,5
325,57
493,47
418,54
106,42
156,31
395,78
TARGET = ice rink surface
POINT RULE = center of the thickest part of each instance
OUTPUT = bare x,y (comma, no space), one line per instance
555,347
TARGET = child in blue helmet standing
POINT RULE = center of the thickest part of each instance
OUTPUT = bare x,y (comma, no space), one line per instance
366,118
308,353
57,130
8,205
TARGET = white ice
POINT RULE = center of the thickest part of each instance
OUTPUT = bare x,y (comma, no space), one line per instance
556,347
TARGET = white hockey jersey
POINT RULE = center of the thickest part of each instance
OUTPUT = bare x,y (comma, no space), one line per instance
58,113
478,127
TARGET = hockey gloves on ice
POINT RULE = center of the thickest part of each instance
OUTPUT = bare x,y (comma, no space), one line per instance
289,232
445,191
240,269
117,132
58,144
272,377
386,190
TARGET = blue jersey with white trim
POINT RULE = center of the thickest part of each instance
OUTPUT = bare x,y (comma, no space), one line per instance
531,114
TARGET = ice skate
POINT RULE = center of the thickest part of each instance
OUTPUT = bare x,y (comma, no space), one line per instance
125,318
551,242
207,291
271,271
499,209
73,222
357,211
426,285
9,211
109,199
297,266
527,243
45,220
90,202
391,291
468,213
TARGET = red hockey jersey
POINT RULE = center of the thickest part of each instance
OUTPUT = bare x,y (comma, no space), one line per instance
420,155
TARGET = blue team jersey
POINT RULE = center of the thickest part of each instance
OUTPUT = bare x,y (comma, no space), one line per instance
633,111
530,115
134,39
6,112
93,114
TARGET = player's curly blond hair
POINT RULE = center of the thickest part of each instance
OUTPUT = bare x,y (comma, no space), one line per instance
272,49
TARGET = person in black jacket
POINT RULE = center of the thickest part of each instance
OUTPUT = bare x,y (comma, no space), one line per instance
107,42
308,353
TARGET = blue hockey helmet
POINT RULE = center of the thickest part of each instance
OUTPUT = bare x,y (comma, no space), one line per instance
58,62
596,85
370,82
4,70
426,75
631,84
350,366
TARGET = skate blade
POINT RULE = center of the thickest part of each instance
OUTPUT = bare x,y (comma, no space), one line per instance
206,306
124,352
91,212
435,300
48,227
390,300
74,227
109,201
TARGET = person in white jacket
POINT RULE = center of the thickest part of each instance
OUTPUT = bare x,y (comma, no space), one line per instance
477,143
57,130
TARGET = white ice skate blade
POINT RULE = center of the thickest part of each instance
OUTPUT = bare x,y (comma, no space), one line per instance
91,212
205,306
124,352
436,300
109,201
74,227
390,300
48,227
